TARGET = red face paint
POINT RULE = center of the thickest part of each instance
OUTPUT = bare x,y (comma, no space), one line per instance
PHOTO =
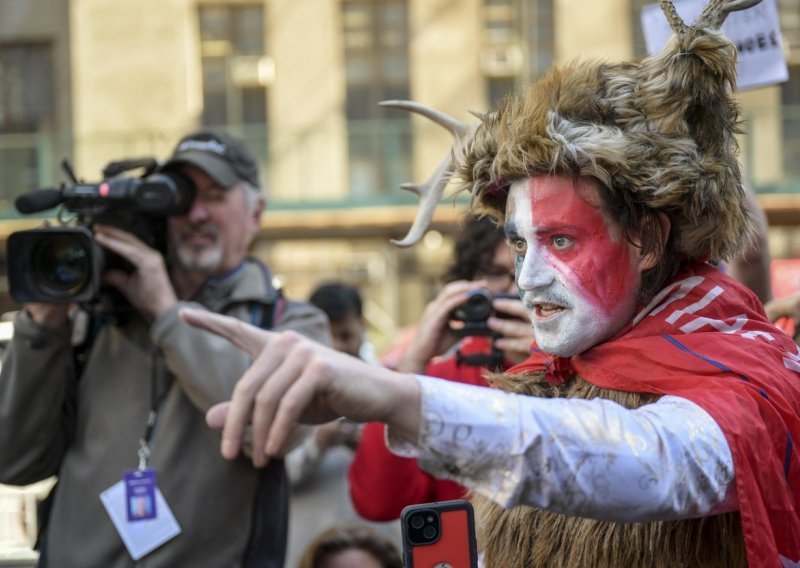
577,274
597,262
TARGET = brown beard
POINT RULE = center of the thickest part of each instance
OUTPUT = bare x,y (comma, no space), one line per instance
526,537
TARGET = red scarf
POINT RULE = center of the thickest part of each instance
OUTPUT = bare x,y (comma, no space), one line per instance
706,338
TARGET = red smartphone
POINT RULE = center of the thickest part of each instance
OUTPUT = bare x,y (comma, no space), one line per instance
439,535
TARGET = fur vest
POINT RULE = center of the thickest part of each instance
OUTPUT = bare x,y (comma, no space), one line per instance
527,537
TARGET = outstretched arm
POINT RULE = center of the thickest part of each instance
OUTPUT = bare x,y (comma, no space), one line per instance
294,379
594,458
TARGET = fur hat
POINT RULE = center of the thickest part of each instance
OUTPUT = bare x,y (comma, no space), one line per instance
661,130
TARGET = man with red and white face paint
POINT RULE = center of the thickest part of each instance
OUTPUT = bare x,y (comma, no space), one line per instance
656,421
571,462
672,378
577,275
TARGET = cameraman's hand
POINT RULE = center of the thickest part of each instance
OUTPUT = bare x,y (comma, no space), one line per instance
433,336
517,332
148,288
52,316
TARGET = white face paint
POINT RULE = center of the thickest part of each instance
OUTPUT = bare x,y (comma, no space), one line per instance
576,274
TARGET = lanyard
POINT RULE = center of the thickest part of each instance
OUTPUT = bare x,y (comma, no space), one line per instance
260,315
157,396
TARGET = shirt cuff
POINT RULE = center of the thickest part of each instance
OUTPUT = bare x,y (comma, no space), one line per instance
452,415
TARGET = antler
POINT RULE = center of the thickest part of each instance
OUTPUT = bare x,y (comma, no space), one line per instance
715,12
674,19
431,191
712,16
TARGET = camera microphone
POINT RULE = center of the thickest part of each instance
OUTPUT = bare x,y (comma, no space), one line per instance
161,193
167,193
39,200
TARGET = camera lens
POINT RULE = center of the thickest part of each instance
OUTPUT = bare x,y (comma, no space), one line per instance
62,265
417,521
429,532
479,305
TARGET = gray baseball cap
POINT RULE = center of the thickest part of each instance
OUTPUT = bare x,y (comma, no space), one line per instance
225,158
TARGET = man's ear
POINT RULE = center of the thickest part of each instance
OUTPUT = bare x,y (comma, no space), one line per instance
650,259
259,208
253,221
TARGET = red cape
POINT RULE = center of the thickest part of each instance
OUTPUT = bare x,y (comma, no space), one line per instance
706,338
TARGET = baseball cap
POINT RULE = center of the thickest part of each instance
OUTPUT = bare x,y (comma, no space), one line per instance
225,158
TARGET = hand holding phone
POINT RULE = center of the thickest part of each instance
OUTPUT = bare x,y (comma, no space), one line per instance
439,535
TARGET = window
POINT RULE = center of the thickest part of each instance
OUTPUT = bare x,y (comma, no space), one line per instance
789,14
790,99
517,45
376,68
639,45
26,106
235,68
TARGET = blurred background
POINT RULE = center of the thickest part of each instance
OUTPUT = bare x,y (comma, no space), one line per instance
92,81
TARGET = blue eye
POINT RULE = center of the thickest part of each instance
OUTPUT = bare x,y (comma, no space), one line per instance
561,242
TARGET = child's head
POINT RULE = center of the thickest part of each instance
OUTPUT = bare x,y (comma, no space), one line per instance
351,545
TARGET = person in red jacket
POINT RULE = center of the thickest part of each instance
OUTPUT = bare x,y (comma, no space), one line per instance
382,483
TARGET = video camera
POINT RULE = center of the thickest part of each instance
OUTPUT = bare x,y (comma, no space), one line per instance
475,311
64,263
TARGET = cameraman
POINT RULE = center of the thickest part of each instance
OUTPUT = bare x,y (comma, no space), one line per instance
139,396
382,483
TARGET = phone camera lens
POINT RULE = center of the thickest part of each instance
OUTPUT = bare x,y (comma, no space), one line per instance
417,522
429,532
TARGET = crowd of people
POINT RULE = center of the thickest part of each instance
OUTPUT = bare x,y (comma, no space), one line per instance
625,400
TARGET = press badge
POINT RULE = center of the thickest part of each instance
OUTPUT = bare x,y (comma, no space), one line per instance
140,494
140,513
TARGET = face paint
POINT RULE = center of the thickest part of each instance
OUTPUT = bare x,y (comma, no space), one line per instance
576,273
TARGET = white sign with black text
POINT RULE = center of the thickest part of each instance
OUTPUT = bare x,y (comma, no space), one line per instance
756,33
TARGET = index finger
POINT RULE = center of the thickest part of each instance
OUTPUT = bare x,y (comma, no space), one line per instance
129,247
450,297
117,233
215,416
246,337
